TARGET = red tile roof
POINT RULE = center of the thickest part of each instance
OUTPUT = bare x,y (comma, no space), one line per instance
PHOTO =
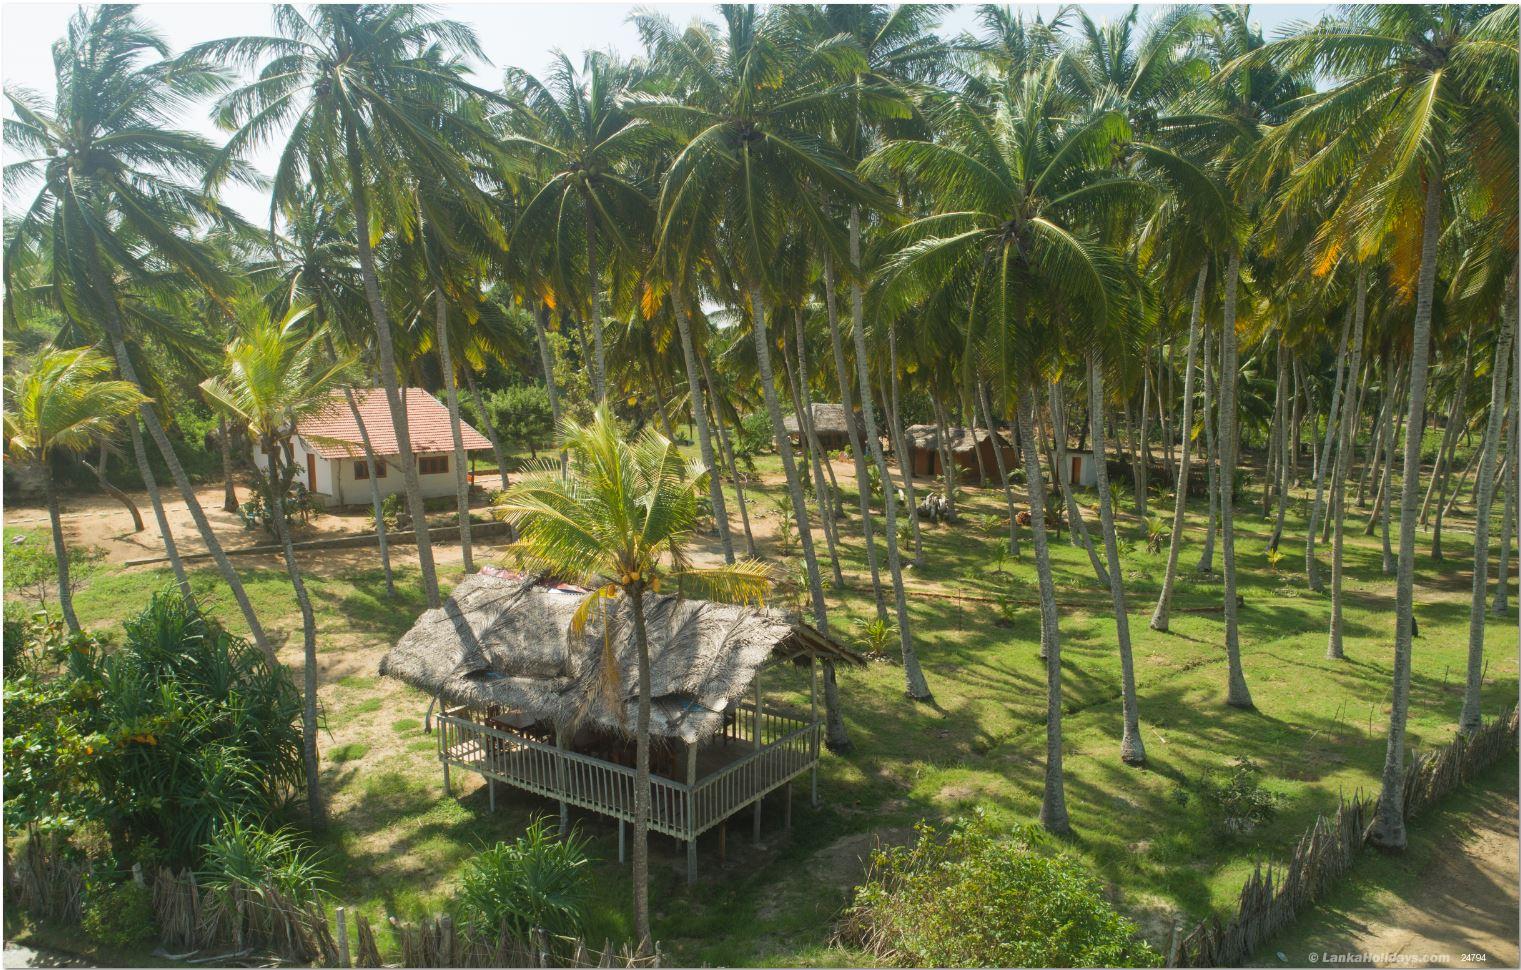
332,432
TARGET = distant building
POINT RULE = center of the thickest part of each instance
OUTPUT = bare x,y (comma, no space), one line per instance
830,425
924,450
329,452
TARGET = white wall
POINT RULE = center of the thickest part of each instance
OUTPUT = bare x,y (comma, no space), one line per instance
338,484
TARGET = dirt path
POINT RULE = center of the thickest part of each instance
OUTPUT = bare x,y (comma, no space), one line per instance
1458,909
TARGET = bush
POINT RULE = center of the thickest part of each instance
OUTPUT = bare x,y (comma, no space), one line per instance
243,854
538,881
1233,799
520,415
752,437
972,895
183,725
119,915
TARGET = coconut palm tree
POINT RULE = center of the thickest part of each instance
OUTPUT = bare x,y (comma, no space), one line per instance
573,128
1397,124
620,524
276,372
60,404
119,200
754,99
373,98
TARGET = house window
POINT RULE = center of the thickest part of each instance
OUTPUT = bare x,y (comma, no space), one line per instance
433,465
362,470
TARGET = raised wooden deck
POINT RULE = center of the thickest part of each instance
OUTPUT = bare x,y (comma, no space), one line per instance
759,753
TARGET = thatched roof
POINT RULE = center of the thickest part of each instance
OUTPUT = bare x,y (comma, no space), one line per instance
828,419
506,642
927,436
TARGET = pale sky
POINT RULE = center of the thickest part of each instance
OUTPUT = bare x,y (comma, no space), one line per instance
519,34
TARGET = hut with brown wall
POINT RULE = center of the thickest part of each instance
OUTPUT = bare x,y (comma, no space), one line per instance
829,423
924,450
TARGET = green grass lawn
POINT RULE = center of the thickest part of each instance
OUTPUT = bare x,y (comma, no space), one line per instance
1318,732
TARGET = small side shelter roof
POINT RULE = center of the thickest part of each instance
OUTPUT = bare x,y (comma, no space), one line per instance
505,641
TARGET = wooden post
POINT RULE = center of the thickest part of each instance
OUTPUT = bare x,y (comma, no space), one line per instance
443,746
723,841
491,792
691,812
755,836
813,718
560,742
137,874
343,936
620,839
787,806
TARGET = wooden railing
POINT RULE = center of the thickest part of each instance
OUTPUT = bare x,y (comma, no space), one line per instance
788,747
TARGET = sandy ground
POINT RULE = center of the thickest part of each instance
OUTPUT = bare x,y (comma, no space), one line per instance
1462,912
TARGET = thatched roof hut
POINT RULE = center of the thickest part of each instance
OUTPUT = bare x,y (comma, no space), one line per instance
830,423
924,448
504,642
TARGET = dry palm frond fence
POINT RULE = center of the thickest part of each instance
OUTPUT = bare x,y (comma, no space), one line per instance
1274,895
244,925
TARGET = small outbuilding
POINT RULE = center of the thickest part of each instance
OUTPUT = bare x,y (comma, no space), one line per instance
328,448
924,449
1082,471
525,702
830,424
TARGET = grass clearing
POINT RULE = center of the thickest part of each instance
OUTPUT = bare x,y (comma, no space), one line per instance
396,842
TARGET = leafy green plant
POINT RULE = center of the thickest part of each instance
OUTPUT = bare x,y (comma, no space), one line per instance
393,508
874,636
118,915
786,528
1158,531
242,853
973,894
536,881
1232,799
1274,558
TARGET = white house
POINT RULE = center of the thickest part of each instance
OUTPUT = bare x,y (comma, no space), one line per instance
329,452
1083,472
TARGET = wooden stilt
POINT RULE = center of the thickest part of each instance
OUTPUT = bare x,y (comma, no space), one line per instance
755,835
723,841
621,823
787,806
447,790
560,743
491,793
691,860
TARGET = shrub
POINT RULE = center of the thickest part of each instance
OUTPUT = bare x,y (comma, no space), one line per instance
243,854
119,915
182,725
537,881
874,636
752,437
973,895
1233,799
519,413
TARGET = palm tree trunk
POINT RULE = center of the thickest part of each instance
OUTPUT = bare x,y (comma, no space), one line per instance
1449,433
914,683
1280,404
171,549
1454,423
594,293
700,421
1003,472
1077,527
371,466
1378,455
853,433
1338,509
895,426
387,361
99,471
1350,421
60,553
728,452
547,361
1159,616
1297,423
641,860
273,495
1053,804
487,425
1390,561
1508,519
808,440
1211,457
229,491
1237,694
835,736
1132,750
1389,823
451,397
947,454
1470,720
116,333
1282,448
1311,567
